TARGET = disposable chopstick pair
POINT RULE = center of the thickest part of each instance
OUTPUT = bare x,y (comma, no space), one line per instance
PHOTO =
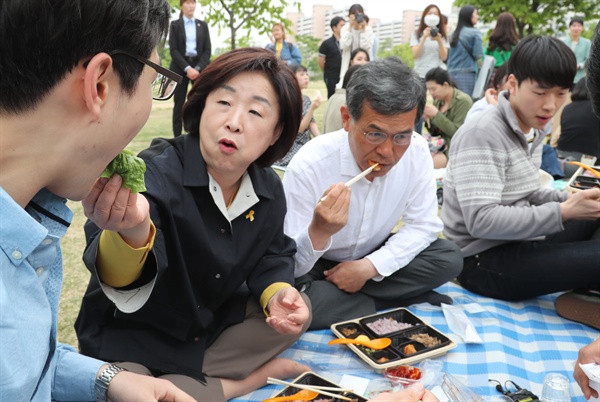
357,177
317,388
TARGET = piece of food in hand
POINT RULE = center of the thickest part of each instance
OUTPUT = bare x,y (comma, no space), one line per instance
130,168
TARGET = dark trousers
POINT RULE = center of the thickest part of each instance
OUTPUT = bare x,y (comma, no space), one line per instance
237,352
434,266
178,101
330,83
522,270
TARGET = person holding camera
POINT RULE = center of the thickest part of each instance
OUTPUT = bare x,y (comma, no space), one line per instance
355,34
429,43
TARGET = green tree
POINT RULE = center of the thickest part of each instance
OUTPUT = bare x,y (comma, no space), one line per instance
309,49
246,15
590,26
534,16
402,51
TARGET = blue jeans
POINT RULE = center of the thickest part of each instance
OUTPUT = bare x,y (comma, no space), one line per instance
524,269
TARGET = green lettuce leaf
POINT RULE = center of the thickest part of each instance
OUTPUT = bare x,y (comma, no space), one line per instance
130,168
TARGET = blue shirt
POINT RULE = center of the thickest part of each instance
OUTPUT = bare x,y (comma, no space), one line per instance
463,57
190,37
33,365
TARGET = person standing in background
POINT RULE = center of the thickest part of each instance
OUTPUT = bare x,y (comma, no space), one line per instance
330,56
355,34
580,46
466,50
189,43
503,39
285,51
429,43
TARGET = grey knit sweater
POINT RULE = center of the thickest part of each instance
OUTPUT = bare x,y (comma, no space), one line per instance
492,191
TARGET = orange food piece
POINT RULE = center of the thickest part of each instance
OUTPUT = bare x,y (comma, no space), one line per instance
409,349
377,168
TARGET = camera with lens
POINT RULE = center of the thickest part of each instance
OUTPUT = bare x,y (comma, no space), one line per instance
359,17
434,31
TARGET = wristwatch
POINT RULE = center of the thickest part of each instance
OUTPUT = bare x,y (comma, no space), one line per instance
102,381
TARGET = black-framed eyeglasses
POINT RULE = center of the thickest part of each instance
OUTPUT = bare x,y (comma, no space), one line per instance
378,138
163,86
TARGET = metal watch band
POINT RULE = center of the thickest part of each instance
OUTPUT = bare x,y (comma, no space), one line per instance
102,381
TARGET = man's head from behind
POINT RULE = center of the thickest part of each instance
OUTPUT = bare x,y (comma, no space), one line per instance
540,72
42,41
384,99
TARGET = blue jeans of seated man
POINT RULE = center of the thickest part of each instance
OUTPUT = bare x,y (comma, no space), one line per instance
524,269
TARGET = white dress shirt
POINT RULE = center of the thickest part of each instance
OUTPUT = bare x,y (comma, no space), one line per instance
407,192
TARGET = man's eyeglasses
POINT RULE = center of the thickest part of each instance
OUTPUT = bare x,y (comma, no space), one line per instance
163,87
377,138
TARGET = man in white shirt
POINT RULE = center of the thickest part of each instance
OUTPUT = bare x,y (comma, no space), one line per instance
348,261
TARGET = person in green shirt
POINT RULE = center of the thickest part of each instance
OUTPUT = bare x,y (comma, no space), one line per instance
446,115
503,39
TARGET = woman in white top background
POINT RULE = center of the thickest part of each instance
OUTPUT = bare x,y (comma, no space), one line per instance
429,43
356,33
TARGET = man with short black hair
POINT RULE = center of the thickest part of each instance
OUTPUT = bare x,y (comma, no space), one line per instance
520,240
77,86
330,56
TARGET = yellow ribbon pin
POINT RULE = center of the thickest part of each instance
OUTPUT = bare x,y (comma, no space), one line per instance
250,215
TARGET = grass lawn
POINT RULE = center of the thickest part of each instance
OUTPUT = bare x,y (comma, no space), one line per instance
76,276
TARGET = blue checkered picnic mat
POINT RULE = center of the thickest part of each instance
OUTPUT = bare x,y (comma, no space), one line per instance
521,342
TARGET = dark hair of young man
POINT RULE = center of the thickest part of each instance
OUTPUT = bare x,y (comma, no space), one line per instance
335,21
31,66
576,20
251,59
545,60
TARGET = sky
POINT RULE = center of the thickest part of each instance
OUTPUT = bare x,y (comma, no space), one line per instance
385,10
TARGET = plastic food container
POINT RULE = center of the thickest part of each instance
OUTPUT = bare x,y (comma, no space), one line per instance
413,340
403,375
310,378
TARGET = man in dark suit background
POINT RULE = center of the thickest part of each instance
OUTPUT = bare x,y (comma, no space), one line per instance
189,42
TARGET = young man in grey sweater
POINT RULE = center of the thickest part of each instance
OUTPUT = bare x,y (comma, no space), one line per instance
520,240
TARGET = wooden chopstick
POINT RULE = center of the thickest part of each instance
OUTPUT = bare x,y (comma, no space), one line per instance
356,178
320,389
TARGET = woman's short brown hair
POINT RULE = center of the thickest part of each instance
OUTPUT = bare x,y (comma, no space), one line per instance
251,59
